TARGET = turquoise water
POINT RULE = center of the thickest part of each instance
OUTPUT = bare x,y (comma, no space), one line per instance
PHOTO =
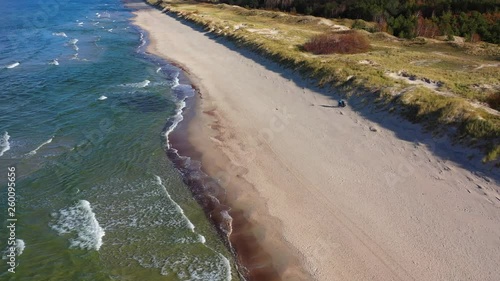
83,117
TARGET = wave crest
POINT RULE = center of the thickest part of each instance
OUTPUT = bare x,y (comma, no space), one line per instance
16,64
80,220
60,34
4,143
34,151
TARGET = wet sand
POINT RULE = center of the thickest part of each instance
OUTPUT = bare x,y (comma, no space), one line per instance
318,192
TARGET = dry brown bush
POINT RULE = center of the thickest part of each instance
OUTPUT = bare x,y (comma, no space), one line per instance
494,101
347,42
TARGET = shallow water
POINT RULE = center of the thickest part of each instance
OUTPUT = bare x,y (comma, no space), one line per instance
84,118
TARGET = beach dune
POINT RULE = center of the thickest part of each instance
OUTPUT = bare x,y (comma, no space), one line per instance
331,193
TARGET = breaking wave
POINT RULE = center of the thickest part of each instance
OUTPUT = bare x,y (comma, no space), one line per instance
4,143
142,84
80,221
34,151
16,64
60,34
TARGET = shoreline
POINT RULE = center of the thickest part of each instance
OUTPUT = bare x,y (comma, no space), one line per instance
240,231
252,261
269,191
240,235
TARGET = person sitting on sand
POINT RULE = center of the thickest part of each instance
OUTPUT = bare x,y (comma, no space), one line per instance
342,103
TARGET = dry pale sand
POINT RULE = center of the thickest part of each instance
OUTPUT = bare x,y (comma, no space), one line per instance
346,195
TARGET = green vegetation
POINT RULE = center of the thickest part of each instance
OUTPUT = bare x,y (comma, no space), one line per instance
472,19
443,85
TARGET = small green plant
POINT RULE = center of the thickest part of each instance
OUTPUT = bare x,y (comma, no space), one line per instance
359,24
493,154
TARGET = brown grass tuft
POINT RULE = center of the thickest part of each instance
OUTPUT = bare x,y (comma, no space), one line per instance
347,42
494,101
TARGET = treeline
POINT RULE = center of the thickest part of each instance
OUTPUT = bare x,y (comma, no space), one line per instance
473,19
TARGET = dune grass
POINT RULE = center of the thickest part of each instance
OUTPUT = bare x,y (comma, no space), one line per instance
455,80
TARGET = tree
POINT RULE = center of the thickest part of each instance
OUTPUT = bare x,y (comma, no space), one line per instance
446,23
472,19
403,26
426,27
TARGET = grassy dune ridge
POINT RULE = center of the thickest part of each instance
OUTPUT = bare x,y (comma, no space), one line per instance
443,85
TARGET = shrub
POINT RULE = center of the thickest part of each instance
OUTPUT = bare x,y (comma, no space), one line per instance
493,154
359,24
480,129
347,42
493,101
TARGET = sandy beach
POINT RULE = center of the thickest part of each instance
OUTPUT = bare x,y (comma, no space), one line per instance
330,193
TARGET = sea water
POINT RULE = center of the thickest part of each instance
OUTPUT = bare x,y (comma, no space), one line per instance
84,118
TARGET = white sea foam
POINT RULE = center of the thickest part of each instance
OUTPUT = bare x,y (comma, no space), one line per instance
197,267
34,151
4,143
110,30
142,84
227,267
54,62
102,98
143,41
202,239
16,64
61,34
79,220
80,23
72,43
195,260
177,118
158,70
175,81
20,246
189,224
